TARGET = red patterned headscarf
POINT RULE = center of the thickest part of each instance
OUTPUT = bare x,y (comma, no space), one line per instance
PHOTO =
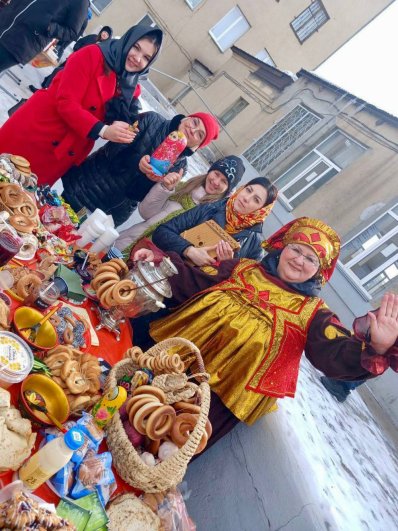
314,233
237,222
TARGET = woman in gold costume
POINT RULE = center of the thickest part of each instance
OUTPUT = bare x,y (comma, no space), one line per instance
253,320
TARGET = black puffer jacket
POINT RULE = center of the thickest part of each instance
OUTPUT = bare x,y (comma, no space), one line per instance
109,179
27,26
167,236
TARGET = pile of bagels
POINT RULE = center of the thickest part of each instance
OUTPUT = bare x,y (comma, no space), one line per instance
78,373
150,415
111,288
20,206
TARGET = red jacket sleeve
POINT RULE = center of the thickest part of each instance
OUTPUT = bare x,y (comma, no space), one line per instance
332,349
79,74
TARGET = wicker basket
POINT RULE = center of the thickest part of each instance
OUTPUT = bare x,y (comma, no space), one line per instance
126,460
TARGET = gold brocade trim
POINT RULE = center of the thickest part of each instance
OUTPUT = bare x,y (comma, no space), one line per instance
209,270
292,310
331,332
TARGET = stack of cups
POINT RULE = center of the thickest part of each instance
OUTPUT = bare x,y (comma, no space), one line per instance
91,232
107,238
97,215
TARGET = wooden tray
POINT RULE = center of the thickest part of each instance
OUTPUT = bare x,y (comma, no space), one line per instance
208,234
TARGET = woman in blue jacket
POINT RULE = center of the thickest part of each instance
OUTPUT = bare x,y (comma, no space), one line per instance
240,215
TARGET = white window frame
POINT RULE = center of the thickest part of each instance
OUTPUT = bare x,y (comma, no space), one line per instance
267,60
240,17
306,23
96,10
369,250
241,104
278,139
193,4
152,24
321,158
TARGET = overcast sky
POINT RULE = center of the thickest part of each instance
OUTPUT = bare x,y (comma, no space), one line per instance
367,65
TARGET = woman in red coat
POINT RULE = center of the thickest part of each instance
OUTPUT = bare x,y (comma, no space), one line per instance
57,127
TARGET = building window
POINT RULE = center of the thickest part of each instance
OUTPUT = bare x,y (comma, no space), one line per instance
99,5
229,114
309,20
193,3
280,137
372,255
147,20
322,163
229,29
265,57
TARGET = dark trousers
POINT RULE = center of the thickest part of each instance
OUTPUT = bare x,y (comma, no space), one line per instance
6,59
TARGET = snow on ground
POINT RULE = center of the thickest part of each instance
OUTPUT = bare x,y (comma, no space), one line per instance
352,463
337,451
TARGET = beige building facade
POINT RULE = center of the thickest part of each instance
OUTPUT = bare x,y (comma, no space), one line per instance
334,156
205,44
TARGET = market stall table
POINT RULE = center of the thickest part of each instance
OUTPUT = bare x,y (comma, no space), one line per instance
111,351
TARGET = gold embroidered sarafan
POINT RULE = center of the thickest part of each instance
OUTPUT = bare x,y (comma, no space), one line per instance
251,332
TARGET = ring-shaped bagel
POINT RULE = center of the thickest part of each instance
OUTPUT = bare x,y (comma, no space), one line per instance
104,287
13,196
131,401
27,284
182,427
108,299
105,268
203,443
119,264
99,281
160,422
142,415
137,405
68,335
124,291
151,390
22,223
28,209
186,407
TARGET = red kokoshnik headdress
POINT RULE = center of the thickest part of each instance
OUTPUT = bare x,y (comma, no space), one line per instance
314,233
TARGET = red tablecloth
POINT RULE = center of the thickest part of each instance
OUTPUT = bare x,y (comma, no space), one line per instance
110,350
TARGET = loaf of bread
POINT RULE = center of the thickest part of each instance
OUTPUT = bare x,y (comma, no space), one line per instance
129,513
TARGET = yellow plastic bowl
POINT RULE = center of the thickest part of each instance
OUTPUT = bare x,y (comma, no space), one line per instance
54,397
46,338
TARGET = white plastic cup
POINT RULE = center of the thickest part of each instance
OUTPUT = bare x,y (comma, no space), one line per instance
109,222
97,215
96,228
91,232
105,240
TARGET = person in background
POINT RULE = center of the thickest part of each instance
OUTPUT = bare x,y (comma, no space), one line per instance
103,35
96,88
241,215
339,389
168,199
27,26
116,178
252,322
